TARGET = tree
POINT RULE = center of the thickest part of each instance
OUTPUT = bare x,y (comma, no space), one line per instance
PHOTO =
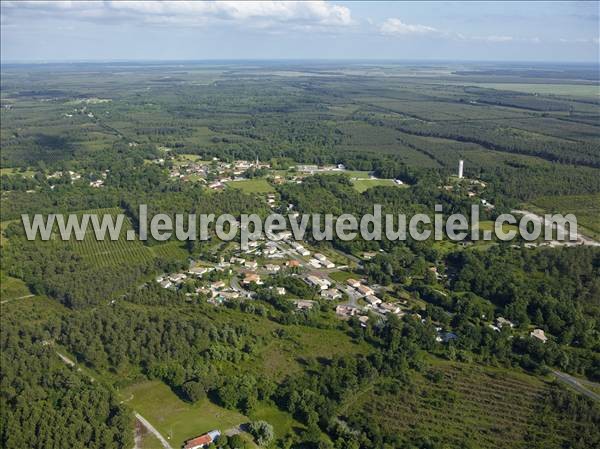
262,432
194,391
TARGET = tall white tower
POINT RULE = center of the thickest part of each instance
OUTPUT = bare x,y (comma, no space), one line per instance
460,169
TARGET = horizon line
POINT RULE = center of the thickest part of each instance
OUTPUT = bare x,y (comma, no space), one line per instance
230,60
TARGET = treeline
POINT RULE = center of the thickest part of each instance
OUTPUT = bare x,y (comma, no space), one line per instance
45,404
528,181
557,290
509,140
53,269
181,350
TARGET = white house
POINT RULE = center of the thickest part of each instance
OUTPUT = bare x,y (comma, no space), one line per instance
352,282
539,334
271,268
373,300
331,293
252,264
365,290
321,283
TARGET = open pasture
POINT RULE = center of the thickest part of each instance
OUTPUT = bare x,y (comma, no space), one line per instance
256,185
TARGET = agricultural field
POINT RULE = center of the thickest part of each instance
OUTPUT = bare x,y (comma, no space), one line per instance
582,90
118,252
465,403
585,207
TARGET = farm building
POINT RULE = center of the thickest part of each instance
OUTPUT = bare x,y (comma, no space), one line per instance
203,440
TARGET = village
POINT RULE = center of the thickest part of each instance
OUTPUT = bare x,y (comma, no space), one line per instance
333,280
332,277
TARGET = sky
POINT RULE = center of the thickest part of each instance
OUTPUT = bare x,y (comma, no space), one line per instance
47,31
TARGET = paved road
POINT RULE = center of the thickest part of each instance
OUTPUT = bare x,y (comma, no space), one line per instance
235,284
581,239
152,429
577,385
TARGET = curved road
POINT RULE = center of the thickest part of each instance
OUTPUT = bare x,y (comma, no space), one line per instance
577,385
581,239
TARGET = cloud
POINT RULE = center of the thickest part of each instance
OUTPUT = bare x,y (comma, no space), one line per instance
396,27
579,40
261,14
495,38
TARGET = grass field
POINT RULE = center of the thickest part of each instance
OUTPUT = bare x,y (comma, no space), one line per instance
282,422
496,413
149,441
175,418
585,207
358,174
363,184
282,355
14,171
488,225
257,185
342,276
184,159
11,288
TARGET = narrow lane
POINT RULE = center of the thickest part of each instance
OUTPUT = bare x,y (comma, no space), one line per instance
576,384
